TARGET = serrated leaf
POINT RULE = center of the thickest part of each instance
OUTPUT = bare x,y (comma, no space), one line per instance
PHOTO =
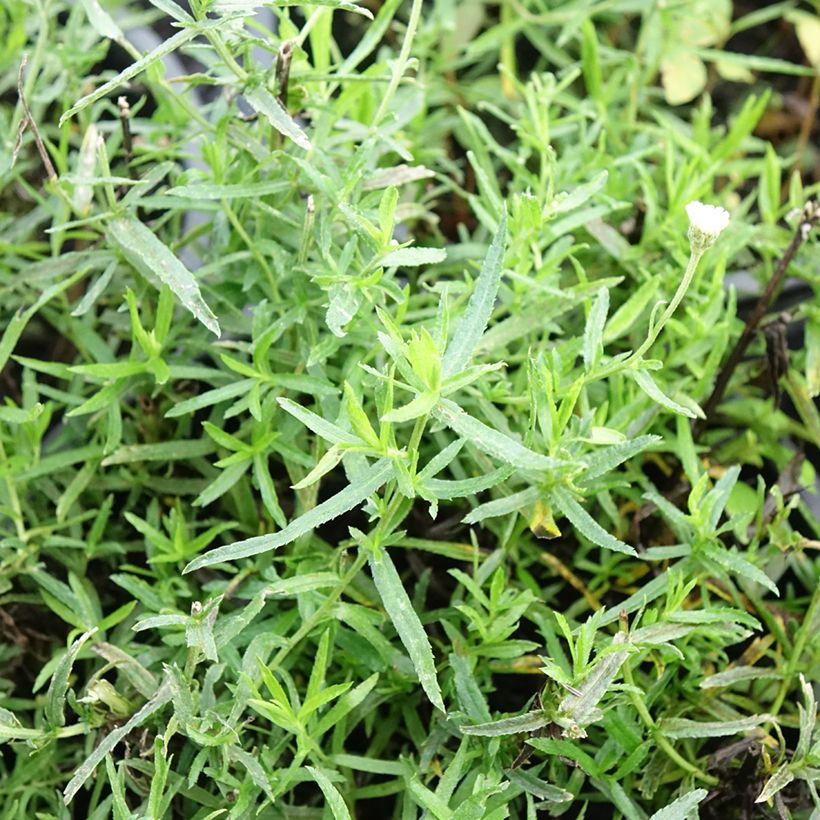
648,385
563,500
682,727
594,331
336,505
153,259
263,102
470,328
406,622
530,722
682,808
413,257
603,461
110,741
491,441
335,802
503,506
445,490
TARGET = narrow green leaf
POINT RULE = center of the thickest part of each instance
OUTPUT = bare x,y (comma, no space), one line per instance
350,497
446,490
530,722
585,523
56,696
159,778
628,313
756,62
566,748
119,806
505,505
236,191
17,324
344,5
419,406
594,331
606,459
565,202
101,21
682,727
738,674
346,703
413,257
778,781
153,259
211,397
162,451
404,618
263,102
165,47
491,441
537,787
648,385
326,429
110,741
470,328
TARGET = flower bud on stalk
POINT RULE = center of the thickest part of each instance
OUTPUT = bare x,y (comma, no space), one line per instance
706,223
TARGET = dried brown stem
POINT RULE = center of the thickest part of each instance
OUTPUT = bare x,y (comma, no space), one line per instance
28,122
808,218
283,61
127,139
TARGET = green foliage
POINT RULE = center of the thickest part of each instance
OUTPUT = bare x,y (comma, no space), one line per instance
347,464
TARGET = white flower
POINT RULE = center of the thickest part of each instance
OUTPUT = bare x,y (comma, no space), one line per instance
706,222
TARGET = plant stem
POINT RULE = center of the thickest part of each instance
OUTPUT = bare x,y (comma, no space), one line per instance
654,332
401,62
809,217
799,645
657,735
14,499
322,611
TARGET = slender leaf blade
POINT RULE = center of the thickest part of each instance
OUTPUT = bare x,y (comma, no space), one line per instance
335,506
471,326
154,259
404,618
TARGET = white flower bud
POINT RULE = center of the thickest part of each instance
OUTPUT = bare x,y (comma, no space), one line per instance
706,222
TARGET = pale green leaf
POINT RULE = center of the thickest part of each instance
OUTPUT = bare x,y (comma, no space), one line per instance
406,622
413,257
152,258
335,801
263,102
336,505
585,523
682,808
648,385
682,727
470,328
491,441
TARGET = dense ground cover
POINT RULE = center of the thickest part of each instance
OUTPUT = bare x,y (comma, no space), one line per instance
379,439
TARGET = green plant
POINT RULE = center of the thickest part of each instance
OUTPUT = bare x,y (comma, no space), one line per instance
360,455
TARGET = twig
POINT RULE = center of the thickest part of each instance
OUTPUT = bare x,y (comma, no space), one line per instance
28,122
127,139
808,219
283,60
